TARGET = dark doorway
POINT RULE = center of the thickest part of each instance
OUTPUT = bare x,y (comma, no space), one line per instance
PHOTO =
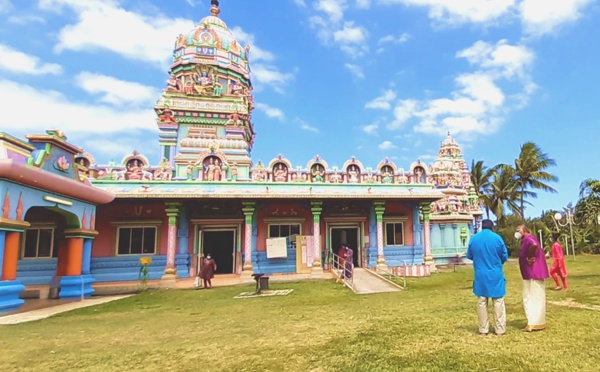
349,236
221,246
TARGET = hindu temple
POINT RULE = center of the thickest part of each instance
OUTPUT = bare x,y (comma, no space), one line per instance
69,223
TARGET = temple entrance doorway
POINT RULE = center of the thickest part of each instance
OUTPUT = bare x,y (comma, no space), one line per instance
220,243
348,235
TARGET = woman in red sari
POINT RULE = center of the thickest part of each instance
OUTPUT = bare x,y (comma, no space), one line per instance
558,267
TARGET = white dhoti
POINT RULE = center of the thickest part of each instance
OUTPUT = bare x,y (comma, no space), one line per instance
534,302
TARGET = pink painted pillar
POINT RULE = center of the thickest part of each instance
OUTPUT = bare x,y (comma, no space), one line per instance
248,210
316,209
172,211
426,209
379,210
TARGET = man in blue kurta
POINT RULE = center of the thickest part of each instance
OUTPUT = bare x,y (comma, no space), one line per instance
488,253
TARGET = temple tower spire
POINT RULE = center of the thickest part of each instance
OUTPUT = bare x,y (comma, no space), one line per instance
214,9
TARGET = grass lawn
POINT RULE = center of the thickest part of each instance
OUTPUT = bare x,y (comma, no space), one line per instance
320,326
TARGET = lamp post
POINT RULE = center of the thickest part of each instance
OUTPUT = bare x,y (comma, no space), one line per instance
569,221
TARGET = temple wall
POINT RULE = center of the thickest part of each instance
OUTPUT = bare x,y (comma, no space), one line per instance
448,240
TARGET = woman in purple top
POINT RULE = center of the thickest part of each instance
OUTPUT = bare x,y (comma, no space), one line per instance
534,271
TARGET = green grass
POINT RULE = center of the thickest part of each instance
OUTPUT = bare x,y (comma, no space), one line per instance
320,326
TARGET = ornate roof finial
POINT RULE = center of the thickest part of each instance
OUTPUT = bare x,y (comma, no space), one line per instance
214,9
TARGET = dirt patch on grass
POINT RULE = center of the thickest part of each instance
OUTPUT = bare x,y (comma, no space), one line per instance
569,302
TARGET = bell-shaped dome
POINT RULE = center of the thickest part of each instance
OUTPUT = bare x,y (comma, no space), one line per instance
211,39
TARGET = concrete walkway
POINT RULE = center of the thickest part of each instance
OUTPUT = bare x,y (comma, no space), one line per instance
366,282
43,313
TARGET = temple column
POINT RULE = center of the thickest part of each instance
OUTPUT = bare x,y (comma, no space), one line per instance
428,257
75,279
172,211
87,256
10,288
379,207
248,209
183,234
316,208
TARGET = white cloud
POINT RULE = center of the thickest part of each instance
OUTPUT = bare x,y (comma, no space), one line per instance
5,6
262,69
18,62
363,4
306,126
271,112
60,112
193,3
386,145
114,147
371,128
538,17
383,102
146,38
350,34
333,8
270,75
403,111
456,12
256,53
24,19
403,38
544,16
330,26
300,3
117,92
478,104
510,59
355,70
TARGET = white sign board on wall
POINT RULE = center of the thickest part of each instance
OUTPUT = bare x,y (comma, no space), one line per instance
277,248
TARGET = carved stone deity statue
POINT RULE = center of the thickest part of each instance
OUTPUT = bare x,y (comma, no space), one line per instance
353,174
280,174
318,172
134,170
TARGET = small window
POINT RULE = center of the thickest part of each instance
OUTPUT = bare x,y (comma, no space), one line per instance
284,230
39,243
394,233
136,240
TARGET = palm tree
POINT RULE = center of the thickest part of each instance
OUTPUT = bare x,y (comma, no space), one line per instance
481,177
504,191
530,173
588,207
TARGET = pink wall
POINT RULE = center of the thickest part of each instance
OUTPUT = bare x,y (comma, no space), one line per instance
120,210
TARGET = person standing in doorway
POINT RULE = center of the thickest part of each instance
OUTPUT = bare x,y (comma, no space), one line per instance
558,266
488,253
348,262
207,272
533,271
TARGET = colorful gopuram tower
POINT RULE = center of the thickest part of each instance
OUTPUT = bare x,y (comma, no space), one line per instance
453,218
204,114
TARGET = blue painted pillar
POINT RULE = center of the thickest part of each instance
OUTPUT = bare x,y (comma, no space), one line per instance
10,287
416,227
183,233
87,256
2,241
372,252
442,227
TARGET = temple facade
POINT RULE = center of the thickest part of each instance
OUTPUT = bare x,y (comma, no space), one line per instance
206,195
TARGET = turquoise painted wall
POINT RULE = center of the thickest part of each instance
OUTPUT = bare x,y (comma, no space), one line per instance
446,240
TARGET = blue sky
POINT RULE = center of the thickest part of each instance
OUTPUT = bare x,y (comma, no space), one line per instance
369,78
